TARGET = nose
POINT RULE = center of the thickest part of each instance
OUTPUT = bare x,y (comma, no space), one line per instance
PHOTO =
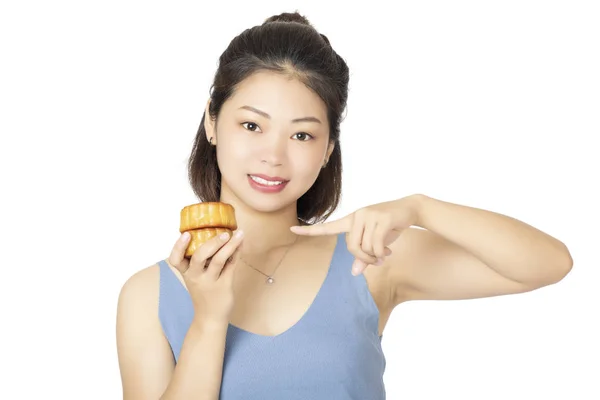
274,150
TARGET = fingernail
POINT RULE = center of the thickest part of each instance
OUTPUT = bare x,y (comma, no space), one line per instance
185,236
239,234
224,236
379,262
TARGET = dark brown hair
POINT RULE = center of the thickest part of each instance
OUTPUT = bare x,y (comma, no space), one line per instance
288,44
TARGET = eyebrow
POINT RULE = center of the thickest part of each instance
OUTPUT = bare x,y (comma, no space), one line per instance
264,114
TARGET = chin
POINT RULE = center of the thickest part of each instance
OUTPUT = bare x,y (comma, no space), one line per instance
269,207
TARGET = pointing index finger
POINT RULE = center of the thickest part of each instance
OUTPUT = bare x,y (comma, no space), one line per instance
327,228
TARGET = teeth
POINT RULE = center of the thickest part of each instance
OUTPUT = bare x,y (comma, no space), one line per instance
264,181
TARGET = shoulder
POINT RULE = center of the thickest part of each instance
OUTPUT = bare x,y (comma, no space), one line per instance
143,284
139,296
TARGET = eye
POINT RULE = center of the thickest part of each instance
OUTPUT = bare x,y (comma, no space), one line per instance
303,136
249,125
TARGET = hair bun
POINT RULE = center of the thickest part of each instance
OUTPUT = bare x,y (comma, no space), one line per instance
288,17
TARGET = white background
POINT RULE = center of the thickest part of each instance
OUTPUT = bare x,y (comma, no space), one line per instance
489,104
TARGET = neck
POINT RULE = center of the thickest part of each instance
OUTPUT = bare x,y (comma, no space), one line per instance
264,231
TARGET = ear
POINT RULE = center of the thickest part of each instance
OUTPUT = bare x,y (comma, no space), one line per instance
330,148
209,125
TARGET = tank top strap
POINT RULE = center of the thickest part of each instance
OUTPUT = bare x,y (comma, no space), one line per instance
345,296
175,308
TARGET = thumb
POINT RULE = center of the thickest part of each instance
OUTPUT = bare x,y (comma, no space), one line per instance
358,266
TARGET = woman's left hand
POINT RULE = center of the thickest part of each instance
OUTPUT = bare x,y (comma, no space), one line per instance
370,230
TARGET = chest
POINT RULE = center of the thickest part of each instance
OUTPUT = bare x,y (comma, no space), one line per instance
273,309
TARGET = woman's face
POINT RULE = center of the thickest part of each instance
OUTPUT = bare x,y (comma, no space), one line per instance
272,140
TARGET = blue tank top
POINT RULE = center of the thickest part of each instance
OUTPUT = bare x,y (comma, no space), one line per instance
332,353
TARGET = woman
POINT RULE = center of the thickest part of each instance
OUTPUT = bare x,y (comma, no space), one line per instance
287,308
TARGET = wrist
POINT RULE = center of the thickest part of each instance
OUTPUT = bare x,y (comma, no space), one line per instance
418,203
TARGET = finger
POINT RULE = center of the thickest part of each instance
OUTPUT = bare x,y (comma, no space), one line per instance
203,253
231,264
177,257
358,266
379,234
367,239
355,238
213,271
326,228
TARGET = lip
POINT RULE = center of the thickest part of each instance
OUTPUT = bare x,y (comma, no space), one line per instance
267,188
270,178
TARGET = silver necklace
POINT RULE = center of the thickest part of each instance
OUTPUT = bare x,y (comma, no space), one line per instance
270,280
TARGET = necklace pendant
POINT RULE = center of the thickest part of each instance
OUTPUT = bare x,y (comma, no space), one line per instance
270,280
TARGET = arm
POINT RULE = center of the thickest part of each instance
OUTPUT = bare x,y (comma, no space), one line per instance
465,252
147,366
200,368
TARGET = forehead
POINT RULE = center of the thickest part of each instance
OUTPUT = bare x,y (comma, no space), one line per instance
278,95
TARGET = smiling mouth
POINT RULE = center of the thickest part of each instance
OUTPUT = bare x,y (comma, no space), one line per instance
267,182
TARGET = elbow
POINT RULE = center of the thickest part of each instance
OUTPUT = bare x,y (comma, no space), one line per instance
562,265
567,264
551,270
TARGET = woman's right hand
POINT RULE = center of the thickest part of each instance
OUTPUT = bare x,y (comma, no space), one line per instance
208,275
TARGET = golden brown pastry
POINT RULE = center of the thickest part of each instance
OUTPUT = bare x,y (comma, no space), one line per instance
205,221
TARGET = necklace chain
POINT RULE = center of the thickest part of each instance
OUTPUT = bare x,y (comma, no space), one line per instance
270,279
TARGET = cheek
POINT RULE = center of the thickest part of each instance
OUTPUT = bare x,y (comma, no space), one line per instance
307,165
232,151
